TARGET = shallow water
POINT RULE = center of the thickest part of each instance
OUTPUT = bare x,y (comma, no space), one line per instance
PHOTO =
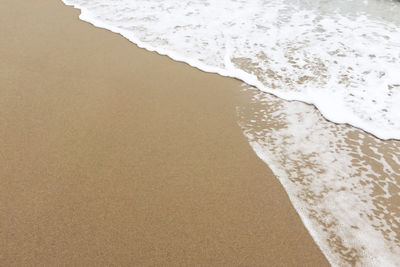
344,183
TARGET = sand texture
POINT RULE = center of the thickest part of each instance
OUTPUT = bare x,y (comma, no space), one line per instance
112,155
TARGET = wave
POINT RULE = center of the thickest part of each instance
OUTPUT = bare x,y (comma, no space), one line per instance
346,63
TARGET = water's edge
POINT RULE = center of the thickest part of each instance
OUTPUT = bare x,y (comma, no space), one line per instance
258,147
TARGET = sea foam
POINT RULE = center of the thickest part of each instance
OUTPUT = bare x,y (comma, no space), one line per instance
343,182
342,56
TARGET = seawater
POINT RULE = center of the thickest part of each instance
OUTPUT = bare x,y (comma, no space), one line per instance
343,57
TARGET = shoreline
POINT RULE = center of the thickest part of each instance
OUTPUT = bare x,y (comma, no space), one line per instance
115,155
325,238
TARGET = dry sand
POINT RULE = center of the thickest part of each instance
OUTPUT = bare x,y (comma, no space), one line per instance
111,155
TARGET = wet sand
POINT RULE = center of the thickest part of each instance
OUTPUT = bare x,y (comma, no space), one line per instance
112,155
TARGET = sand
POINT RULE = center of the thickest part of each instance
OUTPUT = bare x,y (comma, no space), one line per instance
112,155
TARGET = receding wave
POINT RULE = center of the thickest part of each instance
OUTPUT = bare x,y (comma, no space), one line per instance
344,183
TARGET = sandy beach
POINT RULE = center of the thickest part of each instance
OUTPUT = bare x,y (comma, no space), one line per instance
112,155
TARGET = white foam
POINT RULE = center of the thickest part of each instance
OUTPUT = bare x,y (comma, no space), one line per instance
343,57
343,183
